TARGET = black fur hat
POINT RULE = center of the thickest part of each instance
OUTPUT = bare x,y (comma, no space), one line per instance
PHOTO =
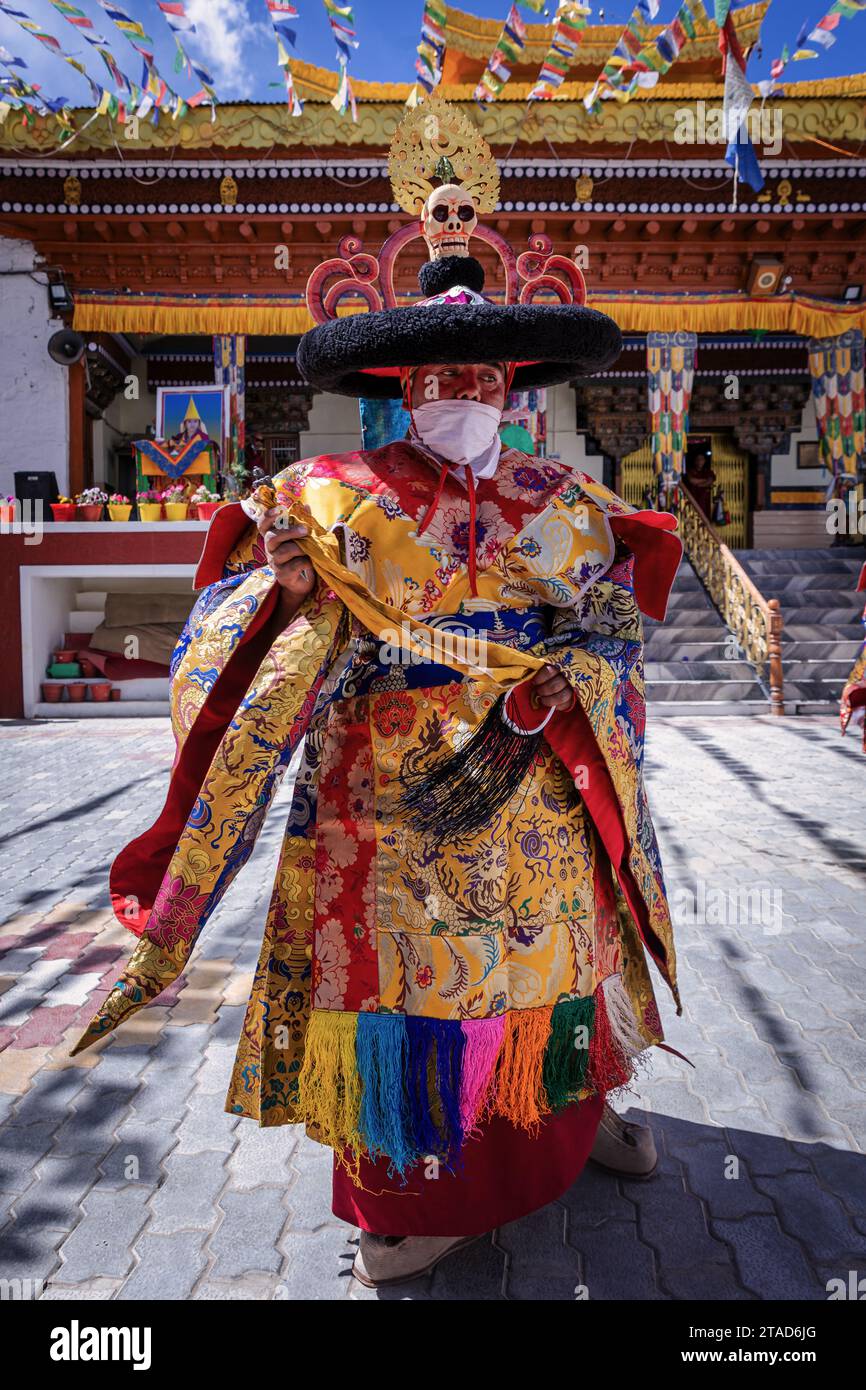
361,355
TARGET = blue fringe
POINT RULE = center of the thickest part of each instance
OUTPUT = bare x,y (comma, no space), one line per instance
381,1052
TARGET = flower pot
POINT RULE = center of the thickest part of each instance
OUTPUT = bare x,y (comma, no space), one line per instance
63,511
91,512
176,511
100,690
206,509
52,693
76,691
150,511
120,511
7,513
64,654
115,693
87,667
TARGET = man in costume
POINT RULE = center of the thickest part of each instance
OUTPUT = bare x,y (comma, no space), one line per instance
852,706
454,970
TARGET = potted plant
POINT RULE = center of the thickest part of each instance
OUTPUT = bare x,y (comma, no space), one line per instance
176,505
7,510
206,502
90,504
63,509
119,507
149,505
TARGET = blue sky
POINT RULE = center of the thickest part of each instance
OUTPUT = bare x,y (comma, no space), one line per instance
235,40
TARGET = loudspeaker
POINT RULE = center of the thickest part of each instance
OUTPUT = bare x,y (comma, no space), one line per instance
36,487
66,347
765,273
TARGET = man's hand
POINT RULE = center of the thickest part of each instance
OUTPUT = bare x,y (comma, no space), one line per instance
551,689
293,569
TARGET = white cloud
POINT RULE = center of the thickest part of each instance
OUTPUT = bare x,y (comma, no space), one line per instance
224,30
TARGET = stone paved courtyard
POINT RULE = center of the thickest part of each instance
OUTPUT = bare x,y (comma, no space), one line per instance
761,1189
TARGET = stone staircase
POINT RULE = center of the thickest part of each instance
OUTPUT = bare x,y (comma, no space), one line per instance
821,609
692,666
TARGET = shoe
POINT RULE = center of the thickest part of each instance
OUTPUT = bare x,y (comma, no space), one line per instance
624,1148
382,1261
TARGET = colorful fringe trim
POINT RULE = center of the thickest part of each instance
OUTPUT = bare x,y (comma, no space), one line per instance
409,1089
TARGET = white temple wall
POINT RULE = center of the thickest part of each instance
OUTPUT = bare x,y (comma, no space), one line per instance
335,426
785,473
34,391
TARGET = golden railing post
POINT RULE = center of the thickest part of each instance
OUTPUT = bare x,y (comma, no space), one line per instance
777,690
755,621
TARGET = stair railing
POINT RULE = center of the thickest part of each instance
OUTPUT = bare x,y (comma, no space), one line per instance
755,621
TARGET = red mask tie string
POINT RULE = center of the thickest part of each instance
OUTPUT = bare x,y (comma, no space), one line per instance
473,563
437,497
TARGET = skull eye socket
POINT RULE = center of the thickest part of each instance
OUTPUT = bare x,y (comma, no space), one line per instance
466,212
440,213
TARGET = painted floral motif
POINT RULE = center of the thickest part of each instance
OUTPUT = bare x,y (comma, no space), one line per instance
176,913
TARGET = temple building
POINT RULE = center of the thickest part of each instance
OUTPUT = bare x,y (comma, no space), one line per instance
180,256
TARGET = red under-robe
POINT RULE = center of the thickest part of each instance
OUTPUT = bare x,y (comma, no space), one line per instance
508,1173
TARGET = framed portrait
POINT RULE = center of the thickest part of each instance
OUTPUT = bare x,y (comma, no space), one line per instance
809,454
210,404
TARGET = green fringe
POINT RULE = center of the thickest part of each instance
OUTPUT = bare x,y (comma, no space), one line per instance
565,1061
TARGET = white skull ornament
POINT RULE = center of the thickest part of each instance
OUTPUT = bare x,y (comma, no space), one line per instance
448,218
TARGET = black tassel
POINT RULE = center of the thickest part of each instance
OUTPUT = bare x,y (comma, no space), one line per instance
461,794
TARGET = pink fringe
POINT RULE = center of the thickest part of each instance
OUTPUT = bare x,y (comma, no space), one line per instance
483,1042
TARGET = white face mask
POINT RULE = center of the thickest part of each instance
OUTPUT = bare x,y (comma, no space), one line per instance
459,431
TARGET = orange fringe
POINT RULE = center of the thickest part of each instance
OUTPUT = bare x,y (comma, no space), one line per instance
518,1092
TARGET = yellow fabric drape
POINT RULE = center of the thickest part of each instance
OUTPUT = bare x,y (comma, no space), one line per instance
790,313
503,666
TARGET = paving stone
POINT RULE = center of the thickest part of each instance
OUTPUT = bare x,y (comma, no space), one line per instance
91,1126
205,1125
812,1216
101,1244
616,1265
246,1239
309,1198
774,1022
476,1272
139,1153
769,1263
168,1267
21,1147
187,1198
262,1155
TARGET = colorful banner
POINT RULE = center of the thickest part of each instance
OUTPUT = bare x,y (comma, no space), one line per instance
431,48
670,376
341,19
739,96
230,351
281,13
836,365
157,94
509,46
52,44
179,22
637,61
128,94
16,94
571,21
823,34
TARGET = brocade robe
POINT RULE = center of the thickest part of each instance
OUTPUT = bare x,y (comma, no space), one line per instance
407,993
